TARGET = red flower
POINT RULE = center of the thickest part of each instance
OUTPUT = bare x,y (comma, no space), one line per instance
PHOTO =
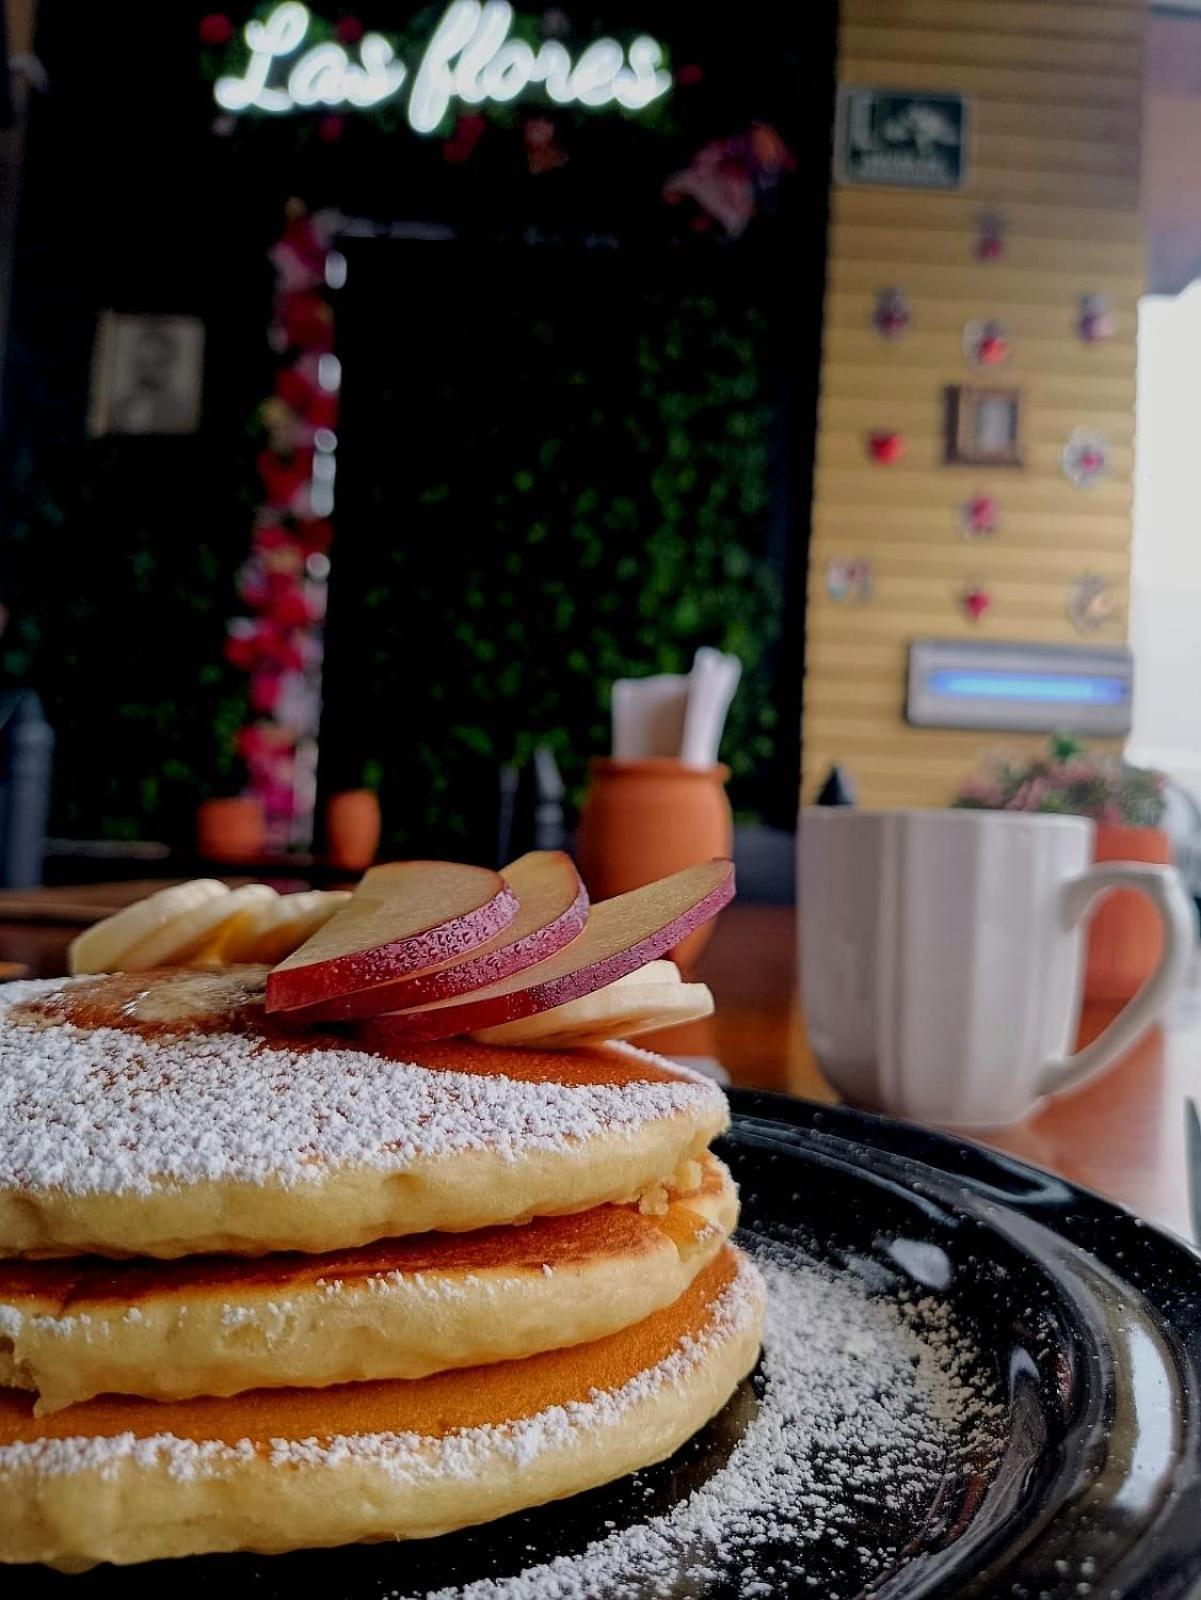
240,651
885,448
980,514
330,129
308,321
264,691
287,607
323,409
272,536
348,30
315,535
275,648
469,130
216,29
283,477
293,389
992,349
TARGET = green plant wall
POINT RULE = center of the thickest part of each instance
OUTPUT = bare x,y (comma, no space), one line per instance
606,516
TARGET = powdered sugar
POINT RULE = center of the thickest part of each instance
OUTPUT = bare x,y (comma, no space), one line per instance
868,1404
407,1457
865,1402
111,1111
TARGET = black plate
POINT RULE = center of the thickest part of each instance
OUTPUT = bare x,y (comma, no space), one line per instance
1085,1322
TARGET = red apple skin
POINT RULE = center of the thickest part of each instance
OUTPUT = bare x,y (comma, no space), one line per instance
400,1028
294,987
463,977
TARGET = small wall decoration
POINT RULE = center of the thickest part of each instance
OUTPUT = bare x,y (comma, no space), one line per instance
896,138
891,315
146,375
979,516
1091,603
1085,459
984,427
990,237
849,580
985,344
886,447
1096,321
974,600
730,179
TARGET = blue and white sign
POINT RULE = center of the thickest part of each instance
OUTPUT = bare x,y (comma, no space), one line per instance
899,139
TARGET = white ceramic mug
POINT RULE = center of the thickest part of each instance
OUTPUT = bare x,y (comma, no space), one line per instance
942,956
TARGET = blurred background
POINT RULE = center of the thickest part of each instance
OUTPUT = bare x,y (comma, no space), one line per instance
382,382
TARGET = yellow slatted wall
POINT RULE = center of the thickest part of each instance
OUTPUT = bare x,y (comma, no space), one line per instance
1054,90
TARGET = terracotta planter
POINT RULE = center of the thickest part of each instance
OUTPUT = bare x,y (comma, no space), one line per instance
1125,936
644,819
230,830
352,828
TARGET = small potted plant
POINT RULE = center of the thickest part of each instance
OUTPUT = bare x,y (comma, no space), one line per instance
1127,804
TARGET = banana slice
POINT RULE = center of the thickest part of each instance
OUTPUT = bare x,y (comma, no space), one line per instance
177,942
620,1010
653,972
103,947
272,930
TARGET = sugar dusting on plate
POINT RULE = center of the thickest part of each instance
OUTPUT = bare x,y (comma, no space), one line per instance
868,1402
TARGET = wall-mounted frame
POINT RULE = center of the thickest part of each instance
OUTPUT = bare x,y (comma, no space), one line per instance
901,138
984,427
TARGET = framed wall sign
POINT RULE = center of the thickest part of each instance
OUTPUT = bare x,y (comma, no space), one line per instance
984,427
147,374
899,139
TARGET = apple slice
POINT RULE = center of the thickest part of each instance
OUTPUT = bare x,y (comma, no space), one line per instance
621,935
637,1003
403,917
554,909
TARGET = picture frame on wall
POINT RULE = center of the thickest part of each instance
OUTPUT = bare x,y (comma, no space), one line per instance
984,427
147,375
901,138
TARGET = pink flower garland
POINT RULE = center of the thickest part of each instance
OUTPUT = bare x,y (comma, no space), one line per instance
283,581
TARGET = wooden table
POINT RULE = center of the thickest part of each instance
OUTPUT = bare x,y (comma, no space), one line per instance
1123,1136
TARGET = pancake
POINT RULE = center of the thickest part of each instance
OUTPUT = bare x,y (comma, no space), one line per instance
127,1480
163,1114
400,1309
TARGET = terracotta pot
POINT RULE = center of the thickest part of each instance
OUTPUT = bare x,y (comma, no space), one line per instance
352,828
230,830
644,819
1125,936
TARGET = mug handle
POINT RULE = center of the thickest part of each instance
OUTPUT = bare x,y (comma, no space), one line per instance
1162,885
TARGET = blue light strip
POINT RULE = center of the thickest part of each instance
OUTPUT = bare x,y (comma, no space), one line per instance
1037,687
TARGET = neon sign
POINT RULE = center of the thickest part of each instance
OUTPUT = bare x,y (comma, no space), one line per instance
470,59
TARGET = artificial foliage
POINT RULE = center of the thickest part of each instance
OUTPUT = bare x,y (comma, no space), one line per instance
1070,781
507,587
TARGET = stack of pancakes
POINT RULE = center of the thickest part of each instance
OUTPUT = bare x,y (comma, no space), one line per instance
266,1290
